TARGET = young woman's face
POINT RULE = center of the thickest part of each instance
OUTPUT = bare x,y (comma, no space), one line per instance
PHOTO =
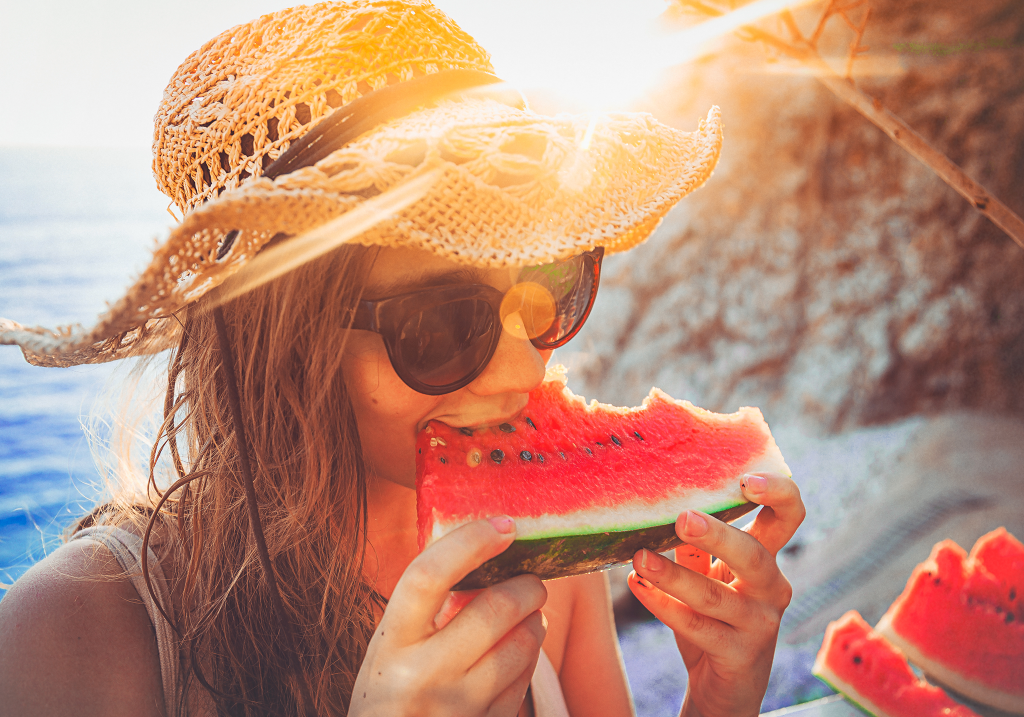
388,412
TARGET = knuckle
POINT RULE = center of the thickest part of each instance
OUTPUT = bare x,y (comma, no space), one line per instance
760,559
785,591
771,620
419,580
532,589
712,595
532,632
494,603
696,622
801,511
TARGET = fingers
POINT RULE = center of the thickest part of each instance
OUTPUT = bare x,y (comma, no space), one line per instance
701,632
783,512
492,615
701,593
452,605
509,701
748,560
421,591
507,668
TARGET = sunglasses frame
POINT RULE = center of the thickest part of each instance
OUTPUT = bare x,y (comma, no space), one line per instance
387,316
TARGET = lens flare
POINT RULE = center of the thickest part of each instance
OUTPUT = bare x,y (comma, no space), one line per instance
595,55
528,310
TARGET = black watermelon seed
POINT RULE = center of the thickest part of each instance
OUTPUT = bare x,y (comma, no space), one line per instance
419,450
937,581
615,440
599,444
589,452
530,424
1013,593
497,455
466,431
637,434
526,455
540,458
562,455
443,461
1010,618
507,428
857,659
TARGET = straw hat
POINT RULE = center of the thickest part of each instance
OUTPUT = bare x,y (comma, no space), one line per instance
414,134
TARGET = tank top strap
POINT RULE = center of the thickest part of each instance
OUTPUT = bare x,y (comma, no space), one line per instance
127,550
548,700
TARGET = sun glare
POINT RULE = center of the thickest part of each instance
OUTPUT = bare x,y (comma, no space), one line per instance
602,55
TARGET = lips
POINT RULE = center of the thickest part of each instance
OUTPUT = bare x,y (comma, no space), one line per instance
482,417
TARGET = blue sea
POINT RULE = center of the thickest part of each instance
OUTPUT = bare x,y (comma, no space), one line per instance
75,226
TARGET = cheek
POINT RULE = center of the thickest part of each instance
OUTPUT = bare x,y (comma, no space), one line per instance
387,411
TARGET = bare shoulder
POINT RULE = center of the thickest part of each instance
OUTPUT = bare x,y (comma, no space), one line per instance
75,638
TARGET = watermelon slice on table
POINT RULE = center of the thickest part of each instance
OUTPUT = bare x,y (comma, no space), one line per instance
587,484
873,674
961,619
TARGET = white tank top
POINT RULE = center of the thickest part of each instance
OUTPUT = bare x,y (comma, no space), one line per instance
126,548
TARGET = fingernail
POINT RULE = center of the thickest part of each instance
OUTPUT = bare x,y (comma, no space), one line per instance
755,484
653,564
695,525
503,524
640,581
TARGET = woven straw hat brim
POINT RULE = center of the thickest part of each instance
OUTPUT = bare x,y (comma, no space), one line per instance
507,187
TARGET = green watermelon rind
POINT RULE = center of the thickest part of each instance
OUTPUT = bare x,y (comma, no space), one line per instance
566,555
569,528
839,690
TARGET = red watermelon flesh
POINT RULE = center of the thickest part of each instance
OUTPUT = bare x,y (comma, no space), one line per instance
962,624
873,674
564,470
1002,556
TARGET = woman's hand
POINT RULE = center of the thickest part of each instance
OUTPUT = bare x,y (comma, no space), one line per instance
423,660
725,616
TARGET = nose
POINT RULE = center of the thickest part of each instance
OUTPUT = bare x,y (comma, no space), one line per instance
517,366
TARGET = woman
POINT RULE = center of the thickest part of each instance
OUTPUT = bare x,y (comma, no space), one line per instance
358,196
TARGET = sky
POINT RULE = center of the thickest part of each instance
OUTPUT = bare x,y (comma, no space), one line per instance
91,73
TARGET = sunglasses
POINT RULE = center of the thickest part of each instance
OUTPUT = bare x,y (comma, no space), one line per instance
440,339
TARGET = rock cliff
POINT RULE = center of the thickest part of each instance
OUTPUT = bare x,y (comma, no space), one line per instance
823,273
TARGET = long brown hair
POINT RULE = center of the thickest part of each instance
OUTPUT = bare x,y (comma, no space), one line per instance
288,337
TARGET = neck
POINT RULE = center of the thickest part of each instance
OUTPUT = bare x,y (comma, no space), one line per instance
391,533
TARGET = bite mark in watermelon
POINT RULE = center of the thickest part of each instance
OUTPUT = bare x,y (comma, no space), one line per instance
587,484
961,619
874,675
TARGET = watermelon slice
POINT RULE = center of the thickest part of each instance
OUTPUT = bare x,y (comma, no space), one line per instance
588,485
874,675
961,619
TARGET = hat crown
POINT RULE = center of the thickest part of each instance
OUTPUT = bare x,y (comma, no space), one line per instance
237,103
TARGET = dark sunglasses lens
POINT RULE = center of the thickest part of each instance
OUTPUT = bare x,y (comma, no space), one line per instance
443,345
571,285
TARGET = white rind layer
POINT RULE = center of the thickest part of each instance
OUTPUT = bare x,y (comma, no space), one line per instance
641,515
944,675
849,692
